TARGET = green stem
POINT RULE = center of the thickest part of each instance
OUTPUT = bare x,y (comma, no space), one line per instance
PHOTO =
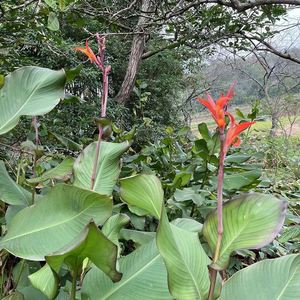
74,284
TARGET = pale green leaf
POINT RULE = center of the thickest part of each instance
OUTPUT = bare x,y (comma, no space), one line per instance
250,221
185,259
30,91
56,220
113,225
144,277
143,192
46,281
272,279
108,167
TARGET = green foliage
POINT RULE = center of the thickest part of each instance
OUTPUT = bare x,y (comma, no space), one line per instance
39,90
250,222
285,274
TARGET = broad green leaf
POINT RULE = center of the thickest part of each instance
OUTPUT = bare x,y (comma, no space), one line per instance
143,192
272,279
38,91
185,259
144,277
139,237
108,167
53,23
113,225
10,191
31,293
90,244
56,220
240,180
61,172
11,211
250,221
46,281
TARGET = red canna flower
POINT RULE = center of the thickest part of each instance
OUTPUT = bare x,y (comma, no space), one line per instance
88,52
232,135
217,109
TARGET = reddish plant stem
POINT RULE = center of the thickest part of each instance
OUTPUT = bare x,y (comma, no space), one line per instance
105,71
213,272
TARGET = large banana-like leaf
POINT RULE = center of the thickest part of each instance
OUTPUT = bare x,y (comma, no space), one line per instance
108,167
143,192
144,277
91,244
10,191
29,91
45,280
272,279
250,221
185,259
56,220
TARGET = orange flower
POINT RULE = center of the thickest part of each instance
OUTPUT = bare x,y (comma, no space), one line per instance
88,52
232,136
217,109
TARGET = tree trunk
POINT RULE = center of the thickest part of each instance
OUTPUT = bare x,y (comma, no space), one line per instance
137,49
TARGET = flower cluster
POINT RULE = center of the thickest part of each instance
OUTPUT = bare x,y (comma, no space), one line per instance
218,112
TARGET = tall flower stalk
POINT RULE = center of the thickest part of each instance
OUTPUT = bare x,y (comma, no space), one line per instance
227,138
99,61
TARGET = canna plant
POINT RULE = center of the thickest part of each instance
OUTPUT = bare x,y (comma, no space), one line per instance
73,234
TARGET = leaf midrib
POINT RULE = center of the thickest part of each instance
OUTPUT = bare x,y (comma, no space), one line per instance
286,285
130,278
48,227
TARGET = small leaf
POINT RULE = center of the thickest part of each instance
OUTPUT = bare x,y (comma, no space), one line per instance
203,130
285,274
138,237
113,225
250,221
144,192
2,81
46,281
71,74
61,172
239,113
90,244
53,23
